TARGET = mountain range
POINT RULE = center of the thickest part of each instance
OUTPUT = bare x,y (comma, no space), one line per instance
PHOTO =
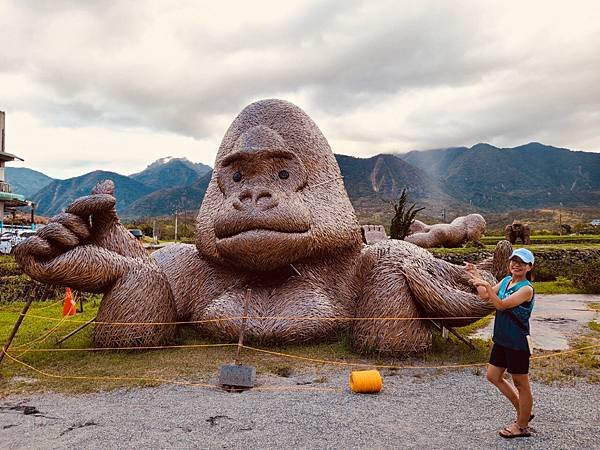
481,178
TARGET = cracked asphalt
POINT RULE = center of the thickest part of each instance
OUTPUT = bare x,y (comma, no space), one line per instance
422,409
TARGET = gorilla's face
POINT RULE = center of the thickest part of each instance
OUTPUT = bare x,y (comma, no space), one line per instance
276,195
263,220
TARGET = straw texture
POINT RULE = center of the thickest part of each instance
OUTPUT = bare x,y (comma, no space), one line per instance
518,231
275,218
454,234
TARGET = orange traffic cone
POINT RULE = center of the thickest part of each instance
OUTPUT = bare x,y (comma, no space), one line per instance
69,304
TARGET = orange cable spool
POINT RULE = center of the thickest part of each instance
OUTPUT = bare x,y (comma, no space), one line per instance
366,381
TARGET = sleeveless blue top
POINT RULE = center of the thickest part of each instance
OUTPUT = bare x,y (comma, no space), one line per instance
506,332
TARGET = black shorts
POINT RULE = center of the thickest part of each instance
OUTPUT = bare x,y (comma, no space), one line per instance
514,361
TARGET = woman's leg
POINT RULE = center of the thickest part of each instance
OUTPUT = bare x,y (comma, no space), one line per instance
525,399
495,376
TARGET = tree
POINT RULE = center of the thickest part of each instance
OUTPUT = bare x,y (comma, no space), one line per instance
403,218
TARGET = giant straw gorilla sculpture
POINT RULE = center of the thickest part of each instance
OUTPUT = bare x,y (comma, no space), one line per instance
275,218
454,234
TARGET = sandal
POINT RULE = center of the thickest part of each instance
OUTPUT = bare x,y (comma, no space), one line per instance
508,434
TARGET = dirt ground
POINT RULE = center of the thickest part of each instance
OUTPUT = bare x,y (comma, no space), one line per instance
415,409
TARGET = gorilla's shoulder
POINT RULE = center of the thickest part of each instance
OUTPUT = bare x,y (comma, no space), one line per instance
394,248
178,257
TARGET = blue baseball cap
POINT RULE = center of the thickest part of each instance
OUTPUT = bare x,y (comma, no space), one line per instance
525,255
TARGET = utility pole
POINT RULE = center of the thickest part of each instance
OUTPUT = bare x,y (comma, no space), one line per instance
560,218
154,231
175,225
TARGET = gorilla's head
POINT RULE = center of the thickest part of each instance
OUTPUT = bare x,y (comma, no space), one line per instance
276,195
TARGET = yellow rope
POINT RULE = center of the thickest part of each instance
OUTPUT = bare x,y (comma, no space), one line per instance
354,364
16,311
564,352
290,318
43,337
159,380
153,347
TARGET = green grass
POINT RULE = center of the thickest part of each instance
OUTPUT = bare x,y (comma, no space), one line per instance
562,285
201,365
569,367
469,329
533,247
551,238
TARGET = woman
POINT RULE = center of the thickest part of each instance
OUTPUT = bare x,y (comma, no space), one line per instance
513,298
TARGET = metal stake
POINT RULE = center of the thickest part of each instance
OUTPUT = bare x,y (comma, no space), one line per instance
16,327
243,327
76,330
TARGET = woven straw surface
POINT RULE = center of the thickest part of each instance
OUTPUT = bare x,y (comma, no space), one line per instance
453,234
277,219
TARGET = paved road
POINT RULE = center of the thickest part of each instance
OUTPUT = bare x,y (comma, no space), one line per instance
555,319
424,409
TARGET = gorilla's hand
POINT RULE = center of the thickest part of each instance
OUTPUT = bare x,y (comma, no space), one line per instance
86,247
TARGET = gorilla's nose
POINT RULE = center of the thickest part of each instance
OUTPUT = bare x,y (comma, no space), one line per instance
259,199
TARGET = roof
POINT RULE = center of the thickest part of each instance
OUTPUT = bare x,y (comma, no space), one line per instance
9,157
6,196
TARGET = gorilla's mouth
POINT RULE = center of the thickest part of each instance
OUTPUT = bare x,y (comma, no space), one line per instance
264,249
259,232
230,226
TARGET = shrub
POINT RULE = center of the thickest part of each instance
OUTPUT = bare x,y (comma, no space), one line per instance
19,287
543,271
8,266
403,217
587,277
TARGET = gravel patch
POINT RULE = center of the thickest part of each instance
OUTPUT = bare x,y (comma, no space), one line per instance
424,409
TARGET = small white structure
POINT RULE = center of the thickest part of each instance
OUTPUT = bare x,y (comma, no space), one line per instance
596,222
7,197
374,233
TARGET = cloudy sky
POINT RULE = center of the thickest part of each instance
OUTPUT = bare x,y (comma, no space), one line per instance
115,85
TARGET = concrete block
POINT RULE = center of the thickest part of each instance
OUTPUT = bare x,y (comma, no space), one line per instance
237,375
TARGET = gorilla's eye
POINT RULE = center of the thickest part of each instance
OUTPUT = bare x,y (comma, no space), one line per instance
237,177
284,174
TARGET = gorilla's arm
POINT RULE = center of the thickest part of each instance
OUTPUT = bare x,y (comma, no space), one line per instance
87,248
439,288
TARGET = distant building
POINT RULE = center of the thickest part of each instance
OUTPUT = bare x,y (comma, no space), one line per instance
8,199
596,222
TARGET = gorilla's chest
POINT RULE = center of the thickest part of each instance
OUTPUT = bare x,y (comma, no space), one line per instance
295,310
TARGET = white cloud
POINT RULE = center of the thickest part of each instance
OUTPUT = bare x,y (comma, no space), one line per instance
64,152
86,80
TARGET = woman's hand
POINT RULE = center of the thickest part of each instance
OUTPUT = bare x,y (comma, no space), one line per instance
478,282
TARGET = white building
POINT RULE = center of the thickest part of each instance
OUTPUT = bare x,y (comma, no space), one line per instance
8,199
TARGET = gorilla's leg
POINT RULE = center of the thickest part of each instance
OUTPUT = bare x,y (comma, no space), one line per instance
140,297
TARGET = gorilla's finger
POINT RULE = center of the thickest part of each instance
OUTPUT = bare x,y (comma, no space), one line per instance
92,204
36,246
73,223
58,233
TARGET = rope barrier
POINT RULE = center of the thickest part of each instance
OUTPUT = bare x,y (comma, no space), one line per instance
153,347
44,336
289,318
267,388
16,311
354,364
160,380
